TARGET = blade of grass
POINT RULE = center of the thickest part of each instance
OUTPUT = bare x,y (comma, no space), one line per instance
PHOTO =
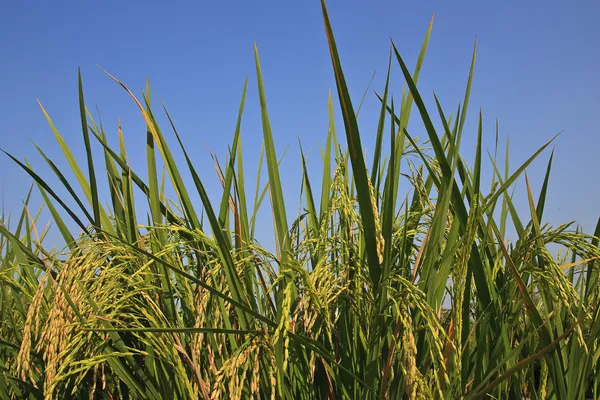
356,157
88,152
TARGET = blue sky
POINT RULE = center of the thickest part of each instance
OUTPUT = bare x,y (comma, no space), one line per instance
537,73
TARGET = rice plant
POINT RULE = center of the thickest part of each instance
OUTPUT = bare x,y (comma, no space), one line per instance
368,294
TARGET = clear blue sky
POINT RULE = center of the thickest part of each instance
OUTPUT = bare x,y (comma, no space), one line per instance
537,72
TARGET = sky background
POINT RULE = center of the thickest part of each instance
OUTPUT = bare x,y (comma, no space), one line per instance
537,73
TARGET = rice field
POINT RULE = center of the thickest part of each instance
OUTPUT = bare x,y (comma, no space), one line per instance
367,294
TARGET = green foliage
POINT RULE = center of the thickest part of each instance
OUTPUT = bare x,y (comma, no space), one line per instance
367,296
